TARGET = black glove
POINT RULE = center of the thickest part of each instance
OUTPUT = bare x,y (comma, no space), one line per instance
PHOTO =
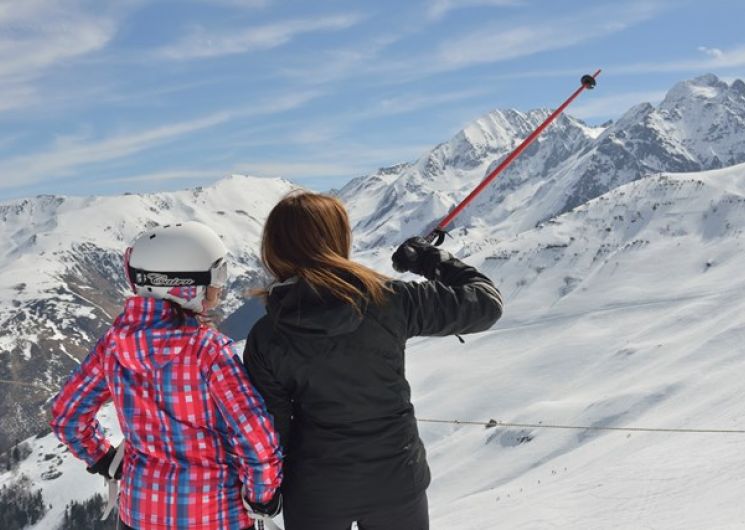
269,509
102,466
418,256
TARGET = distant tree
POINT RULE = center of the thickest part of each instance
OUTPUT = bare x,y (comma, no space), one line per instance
87,514
16,454
19,506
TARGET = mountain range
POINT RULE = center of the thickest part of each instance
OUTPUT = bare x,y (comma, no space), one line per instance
698,126
618,249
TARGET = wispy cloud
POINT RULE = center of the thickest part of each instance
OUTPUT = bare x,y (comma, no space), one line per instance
17,95
715,59
38,34
295,169
412,102
346,160
202,43
164,176
68,154
334,128
321,166
248,4
439,8
614,105
328,66
491,44
716,53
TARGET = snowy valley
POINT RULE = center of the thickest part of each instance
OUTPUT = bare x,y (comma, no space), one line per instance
619,250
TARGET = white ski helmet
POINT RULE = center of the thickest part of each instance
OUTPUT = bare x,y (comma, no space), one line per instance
177,262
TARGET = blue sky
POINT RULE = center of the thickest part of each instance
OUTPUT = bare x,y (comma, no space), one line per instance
109,96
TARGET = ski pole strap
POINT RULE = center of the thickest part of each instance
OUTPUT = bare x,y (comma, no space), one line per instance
117,460
261,521
113,484
436,237
113,487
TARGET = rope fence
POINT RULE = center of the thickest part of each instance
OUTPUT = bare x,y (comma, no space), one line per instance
501,424
21,383
492,423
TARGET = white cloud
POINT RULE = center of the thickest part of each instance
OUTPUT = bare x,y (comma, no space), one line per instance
68,153
295,169
38,34
17,95
594,106
494,44
164,176
246,4
411,102
711,52
201,43
717,59
439,8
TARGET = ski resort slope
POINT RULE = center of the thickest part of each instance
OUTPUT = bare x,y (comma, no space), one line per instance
628,311
61,477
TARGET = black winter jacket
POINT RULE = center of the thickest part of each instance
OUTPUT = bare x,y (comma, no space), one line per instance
334,382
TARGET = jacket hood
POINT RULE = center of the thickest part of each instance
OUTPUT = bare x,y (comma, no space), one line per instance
143,333
295,307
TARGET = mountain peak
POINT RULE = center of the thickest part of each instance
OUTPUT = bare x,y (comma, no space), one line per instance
705,87
709,80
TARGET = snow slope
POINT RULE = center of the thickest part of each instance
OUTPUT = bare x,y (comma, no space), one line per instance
625,308
627,311
60,476
62,281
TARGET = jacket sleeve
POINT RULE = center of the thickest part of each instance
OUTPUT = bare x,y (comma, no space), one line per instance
74,409
278,400
250,432
461,300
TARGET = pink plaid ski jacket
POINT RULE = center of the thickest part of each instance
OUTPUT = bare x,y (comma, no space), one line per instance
196,429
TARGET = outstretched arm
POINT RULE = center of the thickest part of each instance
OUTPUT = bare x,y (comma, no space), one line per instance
74,409
457,299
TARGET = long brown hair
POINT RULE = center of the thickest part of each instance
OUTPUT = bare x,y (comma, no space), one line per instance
307,235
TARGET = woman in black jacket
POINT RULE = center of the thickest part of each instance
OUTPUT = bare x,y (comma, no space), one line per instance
329,360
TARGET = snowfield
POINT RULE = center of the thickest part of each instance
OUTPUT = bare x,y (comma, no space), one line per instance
641,325
625,307
651,334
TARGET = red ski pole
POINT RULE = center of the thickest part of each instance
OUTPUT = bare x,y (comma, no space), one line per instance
437,236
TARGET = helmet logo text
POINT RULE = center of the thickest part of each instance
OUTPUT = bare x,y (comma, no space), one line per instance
161,280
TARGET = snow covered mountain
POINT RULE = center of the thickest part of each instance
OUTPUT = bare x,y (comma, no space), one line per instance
62,280
626,311
698,126
620,261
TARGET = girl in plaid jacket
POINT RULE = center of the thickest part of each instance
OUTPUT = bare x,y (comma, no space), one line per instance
196,431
